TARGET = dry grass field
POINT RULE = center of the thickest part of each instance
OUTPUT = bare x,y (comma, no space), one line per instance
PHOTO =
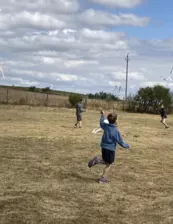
44,176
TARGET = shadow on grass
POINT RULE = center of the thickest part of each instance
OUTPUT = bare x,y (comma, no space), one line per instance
71,127
79,178
68,127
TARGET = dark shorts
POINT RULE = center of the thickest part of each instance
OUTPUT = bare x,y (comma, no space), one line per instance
108,156
79,117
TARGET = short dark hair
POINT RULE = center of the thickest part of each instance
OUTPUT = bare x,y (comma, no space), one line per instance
112,118
81,100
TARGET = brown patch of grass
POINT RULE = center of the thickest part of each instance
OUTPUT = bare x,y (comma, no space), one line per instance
45,178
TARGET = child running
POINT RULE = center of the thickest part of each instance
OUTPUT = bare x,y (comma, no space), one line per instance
109,141
163,116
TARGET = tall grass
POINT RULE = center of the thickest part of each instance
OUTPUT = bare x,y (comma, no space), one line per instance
21,97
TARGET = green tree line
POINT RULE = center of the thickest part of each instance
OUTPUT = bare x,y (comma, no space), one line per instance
149,99
103,96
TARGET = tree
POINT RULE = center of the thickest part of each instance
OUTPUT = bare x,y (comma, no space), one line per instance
103,96
32,88
74,98
145,98
46,90
162,95
153,97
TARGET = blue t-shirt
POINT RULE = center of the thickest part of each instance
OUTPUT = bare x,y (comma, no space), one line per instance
111,136
163,113
79,108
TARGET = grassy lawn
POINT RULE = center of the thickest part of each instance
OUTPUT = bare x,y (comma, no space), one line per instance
44,176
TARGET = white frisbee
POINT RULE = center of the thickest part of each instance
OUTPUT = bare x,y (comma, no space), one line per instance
96,130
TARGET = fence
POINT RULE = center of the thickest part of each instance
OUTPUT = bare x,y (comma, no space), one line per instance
21,97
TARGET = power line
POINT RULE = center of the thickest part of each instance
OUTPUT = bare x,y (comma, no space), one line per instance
127,68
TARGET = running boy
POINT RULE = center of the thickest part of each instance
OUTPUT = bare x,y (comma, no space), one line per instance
163,116
109,141
79,110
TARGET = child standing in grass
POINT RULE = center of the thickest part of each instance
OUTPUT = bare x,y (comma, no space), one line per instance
109,141
79,111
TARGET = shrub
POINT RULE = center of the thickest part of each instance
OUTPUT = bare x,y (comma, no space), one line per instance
74,98
32,88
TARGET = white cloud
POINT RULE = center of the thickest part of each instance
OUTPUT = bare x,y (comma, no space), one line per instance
118,3
134,76
60,6
137,76
101,35
60,44
29,20
66,77
113,84
151,84
26,21
77,63
24,82
94,17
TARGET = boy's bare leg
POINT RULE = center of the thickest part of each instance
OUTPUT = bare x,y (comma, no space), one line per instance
80,124
103,163
164,122
106,171
76,124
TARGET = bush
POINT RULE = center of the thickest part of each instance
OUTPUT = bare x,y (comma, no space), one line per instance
32,88
74,98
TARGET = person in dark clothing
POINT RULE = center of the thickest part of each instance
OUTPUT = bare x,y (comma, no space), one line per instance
79,111
111,137
163,115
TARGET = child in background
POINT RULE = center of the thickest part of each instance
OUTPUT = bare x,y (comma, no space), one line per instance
109,141
163,116
79,110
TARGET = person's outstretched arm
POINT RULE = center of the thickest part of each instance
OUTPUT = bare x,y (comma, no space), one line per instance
120,141
102,118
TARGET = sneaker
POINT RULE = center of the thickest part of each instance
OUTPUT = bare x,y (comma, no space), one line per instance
102,180
93,162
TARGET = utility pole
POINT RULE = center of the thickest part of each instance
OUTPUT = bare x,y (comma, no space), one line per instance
127,68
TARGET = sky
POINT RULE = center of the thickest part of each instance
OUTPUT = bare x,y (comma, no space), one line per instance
81,45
